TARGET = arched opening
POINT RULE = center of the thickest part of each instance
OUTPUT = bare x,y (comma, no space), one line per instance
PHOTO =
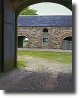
67,43
45,37
40,28
20,7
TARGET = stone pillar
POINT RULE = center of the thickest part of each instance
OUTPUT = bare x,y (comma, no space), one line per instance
9,36
1,38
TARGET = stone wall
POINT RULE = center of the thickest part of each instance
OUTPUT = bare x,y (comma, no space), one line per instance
1,35
55,36
9,36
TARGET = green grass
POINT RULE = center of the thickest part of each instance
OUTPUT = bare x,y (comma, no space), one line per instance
61,57
22,64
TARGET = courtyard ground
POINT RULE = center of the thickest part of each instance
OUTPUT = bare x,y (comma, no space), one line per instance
39,72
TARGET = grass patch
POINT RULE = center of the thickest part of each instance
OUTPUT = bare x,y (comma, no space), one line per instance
22,64
61,57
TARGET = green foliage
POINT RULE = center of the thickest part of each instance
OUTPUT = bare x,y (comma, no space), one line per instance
28,11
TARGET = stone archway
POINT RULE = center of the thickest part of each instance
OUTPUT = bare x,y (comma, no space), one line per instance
21,4
67,43
9,10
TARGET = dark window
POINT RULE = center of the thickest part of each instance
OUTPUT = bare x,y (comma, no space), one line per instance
45,30
45,40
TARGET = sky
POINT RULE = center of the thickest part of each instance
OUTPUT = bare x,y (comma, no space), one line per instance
51,9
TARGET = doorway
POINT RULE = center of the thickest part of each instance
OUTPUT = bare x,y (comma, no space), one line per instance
67,43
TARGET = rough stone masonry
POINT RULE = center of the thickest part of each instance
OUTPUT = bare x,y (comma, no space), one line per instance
50,32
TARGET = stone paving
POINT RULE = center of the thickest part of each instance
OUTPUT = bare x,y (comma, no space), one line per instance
51,77
22,80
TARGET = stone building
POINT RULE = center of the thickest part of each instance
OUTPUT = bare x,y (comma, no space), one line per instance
50,32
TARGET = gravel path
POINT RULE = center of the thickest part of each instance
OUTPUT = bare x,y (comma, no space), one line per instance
44,65
36,49
39,75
